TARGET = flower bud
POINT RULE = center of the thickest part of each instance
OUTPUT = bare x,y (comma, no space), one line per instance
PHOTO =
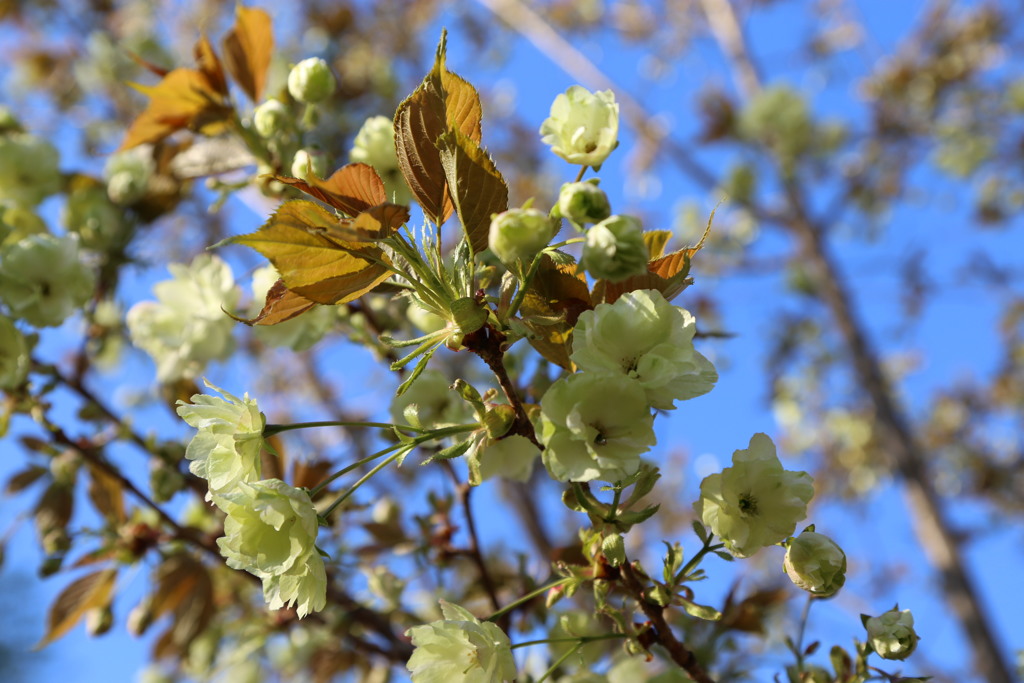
816,564
270,118
468,314
311,81
615,249
498,420
614,549
90,213
583,127
98,620
375,144
128,175
892,634
583,203
306,159
519,234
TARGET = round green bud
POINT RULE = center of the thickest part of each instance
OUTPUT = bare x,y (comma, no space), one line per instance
892,634
270,118
583,203
519,234
305,159
815,563
311,81
615,249
97,220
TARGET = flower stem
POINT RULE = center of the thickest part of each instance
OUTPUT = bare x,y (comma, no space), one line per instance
579,176
582,640
362,480
695,560
558,662
526,598
273,429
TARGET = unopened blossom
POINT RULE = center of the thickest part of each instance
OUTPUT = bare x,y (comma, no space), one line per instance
98,222
270,531
375,145
29,169
460,649
595,426
645,338
519,235
43,279
892,634
299,333
583,127
815,563
309,160
311,81
226,448
186,327
755,503
615,249
270,118
128,174
583,203
14,359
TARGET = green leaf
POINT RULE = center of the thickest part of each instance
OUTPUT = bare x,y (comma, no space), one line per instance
454,451
416,372
700,530
477,188
701,611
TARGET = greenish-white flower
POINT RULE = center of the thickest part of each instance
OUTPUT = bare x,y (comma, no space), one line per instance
270,531
14,359
43,279
815,563
519,234
648,339
128,174
91,214
615,249
299,333
311,81
226,448
583,127
29,169
187,327
755,503
892,634
595,425
271,118
309,159
583,203
509,458
460,649
431,402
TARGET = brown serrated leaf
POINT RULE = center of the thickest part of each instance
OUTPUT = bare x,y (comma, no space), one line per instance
92,590
107,494
282,305
209,65
443,102
302,240
351,189
477,188
378,222
185,98
248,47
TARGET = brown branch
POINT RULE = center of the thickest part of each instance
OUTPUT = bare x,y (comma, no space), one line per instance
663,634
465,491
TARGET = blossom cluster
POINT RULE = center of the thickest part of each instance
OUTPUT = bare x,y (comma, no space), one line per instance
635,354
271,527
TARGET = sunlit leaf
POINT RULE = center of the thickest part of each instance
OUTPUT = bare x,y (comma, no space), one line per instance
557,291
301,240
351,189
281,305
185,98
476,186
443,102
656,241
92,590
185,591
248,47
210,67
